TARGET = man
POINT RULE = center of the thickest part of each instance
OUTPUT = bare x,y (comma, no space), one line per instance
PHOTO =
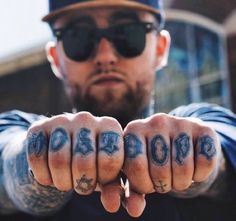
72,165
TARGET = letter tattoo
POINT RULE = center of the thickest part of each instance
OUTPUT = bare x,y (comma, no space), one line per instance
37,144
84,184
84,143
182,147
159,150
59,138
206,146
133,145
109,141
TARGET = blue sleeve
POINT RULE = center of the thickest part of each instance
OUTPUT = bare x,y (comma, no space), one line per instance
220,119
14,121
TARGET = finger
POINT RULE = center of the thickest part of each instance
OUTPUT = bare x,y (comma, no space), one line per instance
110,196
135,204
205,156
110,150
37,147
136,162
60,158
84,160
160,162
182,161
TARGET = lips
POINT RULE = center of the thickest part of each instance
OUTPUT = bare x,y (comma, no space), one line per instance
107,78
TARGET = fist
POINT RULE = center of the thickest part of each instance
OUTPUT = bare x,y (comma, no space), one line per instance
77,151
166,153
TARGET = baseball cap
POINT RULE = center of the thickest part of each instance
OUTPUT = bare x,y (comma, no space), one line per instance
60,7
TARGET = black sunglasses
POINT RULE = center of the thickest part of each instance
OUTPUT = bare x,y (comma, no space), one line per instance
79,42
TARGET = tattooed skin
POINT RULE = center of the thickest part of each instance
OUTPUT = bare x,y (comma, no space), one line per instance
159,150
160,187
26,193
207,147
84,184
37,144
108,142
182,147
59,138
84,143
133,146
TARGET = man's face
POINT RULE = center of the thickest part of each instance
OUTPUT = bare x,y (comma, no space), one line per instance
107,83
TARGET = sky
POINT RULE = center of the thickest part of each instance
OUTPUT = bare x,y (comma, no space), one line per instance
21,27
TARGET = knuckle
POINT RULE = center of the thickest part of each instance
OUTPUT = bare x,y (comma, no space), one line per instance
110,165
135,168
58,161
43,180
63,187
134,126
110,122
159,120
182,185
59,120
84,116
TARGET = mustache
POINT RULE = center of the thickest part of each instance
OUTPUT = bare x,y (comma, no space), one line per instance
99,71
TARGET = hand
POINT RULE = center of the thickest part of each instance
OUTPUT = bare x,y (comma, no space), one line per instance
165,153
78,151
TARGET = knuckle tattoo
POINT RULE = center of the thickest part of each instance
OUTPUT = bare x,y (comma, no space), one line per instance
84,184
83,142
37,144
109,142
206,147
59,138
182,148
133,146
159,150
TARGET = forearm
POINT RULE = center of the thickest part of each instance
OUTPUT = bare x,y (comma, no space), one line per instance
25,193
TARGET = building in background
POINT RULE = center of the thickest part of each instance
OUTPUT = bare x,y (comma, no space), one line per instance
201,65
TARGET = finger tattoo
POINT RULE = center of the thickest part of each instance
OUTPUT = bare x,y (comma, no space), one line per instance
37,144
84,142
108,142
59,138
84,184
207,147
133,145
160,187
182,147
159,150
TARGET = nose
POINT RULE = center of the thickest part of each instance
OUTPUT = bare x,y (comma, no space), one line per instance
105,57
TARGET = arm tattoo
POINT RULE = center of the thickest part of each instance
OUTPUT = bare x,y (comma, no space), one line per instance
159,150
59,138
28,195
207,147
182,148
37,144
83,142
84,184
133,146
108,142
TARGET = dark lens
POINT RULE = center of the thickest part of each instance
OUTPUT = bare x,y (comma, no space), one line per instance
78,43
130,39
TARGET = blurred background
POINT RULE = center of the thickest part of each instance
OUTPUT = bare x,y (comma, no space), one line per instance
201,68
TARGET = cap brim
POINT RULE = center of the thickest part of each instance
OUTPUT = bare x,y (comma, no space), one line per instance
99,4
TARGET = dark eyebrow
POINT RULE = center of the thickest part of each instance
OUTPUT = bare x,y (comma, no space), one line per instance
124,14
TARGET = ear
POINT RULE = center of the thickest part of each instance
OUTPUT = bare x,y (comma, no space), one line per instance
53,59
163,46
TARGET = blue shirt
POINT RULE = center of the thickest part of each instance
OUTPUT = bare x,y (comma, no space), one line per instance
161,207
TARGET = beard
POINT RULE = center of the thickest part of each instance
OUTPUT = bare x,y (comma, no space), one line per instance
125,108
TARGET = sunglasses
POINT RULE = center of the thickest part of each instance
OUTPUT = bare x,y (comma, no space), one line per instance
80,41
